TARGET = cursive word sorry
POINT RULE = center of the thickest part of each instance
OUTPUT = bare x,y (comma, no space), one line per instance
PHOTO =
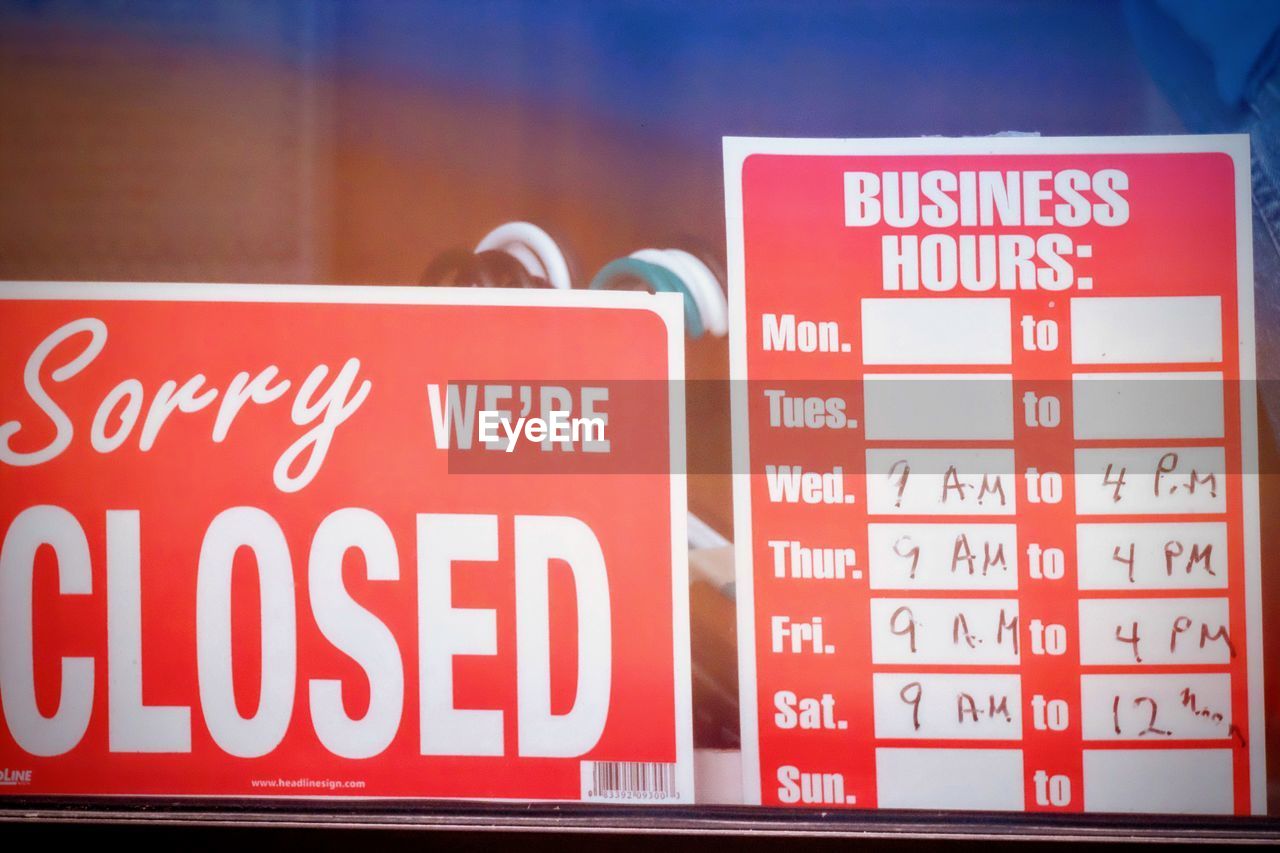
120,411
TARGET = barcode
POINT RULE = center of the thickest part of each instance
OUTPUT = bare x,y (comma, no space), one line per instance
646,781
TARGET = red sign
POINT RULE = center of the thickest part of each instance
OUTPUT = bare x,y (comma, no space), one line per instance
242,555
998,549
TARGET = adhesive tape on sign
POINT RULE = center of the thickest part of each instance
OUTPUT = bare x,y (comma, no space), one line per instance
715,314
534,248
658,278
699,281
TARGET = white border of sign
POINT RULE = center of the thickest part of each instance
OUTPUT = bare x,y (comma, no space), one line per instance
738,148
669,307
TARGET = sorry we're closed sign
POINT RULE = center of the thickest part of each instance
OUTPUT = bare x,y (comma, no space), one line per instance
247,550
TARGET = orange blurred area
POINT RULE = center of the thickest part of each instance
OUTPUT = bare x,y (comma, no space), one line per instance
133,158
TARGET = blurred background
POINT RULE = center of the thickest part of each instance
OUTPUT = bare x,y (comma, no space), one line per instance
352,141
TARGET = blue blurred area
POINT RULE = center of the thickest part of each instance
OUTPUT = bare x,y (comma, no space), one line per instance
698,69
695,70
